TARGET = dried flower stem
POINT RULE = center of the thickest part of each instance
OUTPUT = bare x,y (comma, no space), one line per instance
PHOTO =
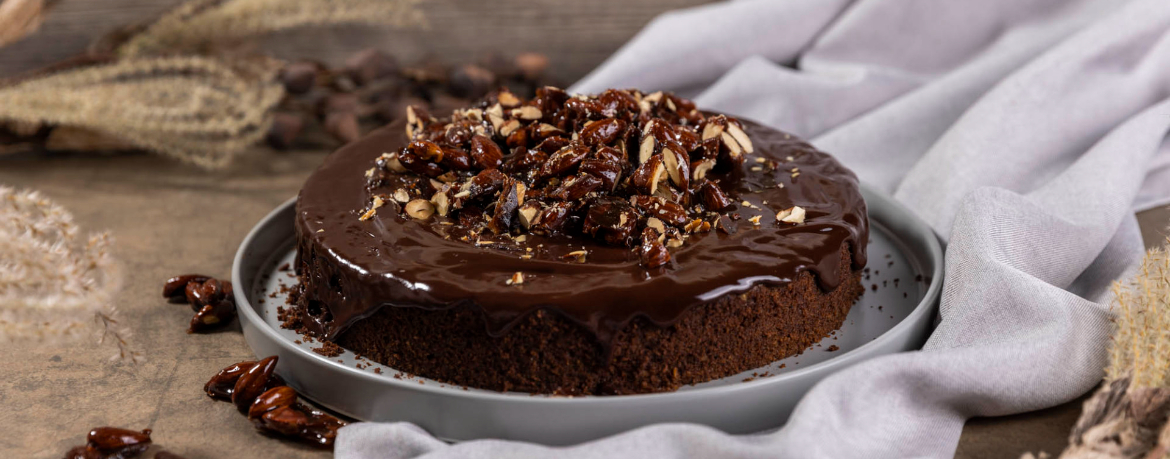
1141,343
52,283
196,109
195,25
1126,418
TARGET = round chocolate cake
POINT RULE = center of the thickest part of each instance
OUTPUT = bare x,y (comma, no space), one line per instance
611,244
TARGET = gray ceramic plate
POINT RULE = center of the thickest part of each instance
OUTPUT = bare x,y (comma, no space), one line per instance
894,315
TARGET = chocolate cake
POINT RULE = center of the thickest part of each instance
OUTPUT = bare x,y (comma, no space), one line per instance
612,244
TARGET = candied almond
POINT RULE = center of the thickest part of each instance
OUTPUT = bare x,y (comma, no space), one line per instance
733,146
529,212
741,138
646,149
509,127
677,167
652,252
793,214
527,112
713,197
700,168
622,167
576,255
390,160
420,209
508,99
658,226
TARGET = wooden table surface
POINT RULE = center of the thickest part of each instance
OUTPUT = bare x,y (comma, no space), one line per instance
169,218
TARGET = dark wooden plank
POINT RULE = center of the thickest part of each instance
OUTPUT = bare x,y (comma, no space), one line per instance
71,26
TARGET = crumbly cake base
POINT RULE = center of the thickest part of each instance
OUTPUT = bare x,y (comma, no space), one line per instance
548,353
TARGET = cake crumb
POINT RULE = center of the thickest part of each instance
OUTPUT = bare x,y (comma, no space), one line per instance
329,349
832,348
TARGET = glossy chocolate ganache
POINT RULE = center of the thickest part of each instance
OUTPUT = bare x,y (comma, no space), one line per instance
601,208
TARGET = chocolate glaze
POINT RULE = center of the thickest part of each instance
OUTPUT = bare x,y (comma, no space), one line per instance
394,261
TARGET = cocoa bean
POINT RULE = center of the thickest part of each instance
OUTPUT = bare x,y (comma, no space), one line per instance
471,81
285,129
531,65
299,77
343,126
369,65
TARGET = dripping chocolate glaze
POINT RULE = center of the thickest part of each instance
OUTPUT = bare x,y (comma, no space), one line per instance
391,260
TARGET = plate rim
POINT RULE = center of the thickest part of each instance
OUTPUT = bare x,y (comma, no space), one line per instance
924,306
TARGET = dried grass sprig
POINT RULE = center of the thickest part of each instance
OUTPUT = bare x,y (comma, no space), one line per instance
53,282
135,90
199,24
1141,343
1127,416
196,109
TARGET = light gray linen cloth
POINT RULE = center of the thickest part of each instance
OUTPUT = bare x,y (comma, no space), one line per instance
1026,132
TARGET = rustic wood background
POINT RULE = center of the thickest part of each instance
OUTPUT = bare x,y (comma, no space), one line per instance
575,35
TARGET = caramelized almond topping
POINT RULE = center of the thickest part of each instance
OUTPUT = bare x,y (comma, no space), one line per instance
628,169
